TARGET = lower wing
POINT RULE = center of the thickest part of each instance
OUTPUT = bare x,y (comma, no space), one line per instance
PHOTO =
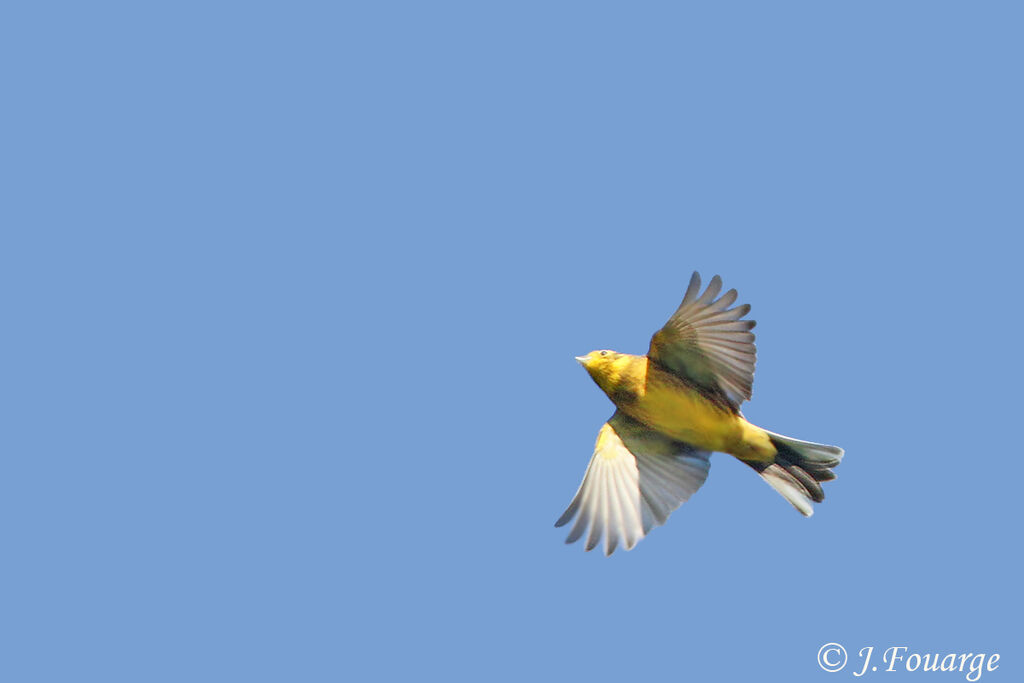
635,480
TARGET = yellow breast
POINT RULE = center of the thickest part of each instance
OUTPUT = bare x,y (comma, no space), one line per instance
670,406
675,408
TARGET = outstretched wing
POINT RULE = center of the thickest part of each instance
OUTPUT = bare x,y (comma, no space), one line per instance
706,343
635,480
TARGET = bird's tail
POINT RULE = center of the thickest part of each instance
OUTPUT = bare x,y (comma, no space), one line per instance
798,470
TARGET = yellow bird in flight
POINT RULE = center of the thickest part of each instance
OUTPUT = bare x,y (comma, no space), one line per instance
675,406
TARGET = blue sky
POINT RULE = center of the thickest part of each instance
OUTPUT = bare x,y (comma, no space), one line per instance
292,295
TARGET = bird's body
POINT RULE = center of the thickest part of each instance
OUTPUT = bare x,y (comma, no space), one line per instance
674,407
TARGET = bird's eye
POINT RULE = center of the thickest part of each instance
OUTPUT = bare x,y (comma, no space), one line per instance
604,353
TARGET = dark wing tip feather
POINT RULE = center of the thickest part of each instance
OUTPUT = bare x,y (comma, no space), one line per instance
699,342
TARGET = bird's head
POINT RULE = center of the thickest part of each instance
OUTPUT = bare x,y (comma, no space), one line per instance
597,358
604,366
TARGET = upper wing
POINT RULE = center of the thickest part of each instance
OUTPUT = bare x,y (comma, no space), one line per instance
706,343
635,479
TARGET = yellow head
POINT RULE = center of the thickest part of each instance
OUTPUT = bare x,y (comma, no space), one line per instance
614,372
597,359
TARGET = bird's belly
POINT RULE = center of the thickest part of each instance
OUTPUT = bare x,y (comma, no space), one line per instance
683,414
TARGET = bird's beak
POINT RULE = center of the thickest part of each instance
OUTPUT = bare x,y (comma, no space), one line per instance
582,360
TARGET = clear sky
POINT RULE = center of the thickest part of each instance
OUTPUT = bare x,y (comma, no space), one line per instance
291,295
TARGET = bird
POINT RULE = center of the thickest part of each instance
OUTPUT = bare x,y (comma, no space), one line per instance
673,408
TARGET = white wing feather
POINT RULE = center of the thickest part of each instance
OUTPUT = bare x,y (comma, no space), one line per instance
635,480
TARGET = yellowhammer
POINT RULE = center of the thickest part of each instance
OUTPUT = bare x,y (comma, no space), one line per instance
675,406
